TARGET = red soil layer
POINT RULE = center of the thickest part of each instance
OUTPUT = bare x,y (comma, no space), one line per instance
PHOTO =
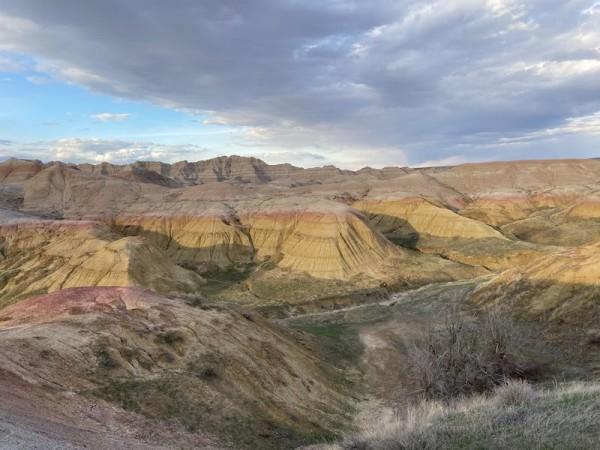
74,301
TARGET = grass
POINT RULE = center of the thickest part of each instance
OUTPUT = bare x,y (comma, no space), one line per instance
515,415
182,398
339,342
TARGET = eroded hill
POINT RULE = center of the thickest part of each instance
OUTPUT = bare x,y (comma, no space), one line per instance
258,296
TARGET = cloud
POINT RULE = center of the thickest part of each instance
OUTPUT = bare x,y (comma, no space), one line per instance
453,160
101,150
38,79
5,142
110,117
379,82
11,65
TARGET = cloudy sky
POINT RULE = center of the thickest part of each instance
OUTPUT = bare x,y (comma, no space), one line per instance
312,82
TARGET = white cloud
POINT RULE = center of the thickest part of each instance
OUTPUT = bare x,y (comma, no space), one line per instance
11,65
594,9
447,161
104,150
110,117
588,125
559,70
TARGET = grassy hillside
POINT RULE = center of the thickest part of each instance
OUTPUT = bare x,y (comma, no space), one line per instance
515,415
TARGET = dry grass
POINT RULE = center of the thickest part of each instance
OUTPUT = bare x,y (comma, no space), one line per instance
513,416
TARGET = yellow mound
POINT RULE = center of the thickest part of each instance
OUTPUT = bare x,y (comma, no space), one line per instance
208,238
324,239
563,286
47,259
424,217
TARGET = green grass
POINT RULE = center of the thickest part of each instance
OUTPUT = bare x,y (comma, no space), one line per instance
338,341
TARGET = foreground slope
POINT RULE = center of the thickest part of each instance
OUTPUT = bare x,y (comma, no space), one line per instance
514,416
213,370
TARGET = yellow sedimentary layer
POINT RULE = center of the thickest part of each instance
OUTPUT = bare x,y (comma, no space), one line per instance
587,209
424,217
41,262
561,285
336,244
503,208
323,239
193,239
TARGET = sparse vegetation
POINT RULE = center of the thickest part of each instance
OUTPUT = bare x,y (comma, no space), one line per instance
106,359
514,416
465,357
182,398
170,337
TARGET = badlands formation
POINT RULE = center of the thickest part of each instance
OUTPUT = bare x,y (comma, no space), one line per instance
194,298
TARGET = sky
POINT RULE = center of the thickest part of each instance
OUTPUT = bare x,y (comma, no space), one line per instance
352,83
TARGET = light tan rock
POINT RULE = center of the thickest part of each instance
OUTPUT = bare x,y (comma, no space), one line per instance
219,365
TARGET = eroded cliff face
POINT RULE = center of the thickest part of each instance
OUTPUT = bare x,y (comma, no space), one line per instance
234,213
322,238
210,238
424,217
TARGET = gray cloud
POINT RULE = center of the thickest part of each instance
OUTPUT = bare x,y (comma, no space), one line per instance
378,82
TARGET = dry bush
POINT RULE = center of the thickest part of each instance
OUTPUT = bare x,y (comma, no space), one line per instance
461,358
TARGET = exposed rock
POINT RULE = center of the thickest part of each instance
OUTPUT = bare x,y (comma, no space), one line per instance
322,238
209,238
47,256
561,287
394,216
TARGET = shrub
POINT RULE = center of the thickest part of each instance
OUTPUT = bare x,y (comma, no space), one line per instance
171,337
462,358
104,356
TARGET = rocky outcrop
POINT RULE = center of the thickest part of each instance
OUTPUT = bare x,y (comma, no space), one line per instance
14,171
472,179
212,238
